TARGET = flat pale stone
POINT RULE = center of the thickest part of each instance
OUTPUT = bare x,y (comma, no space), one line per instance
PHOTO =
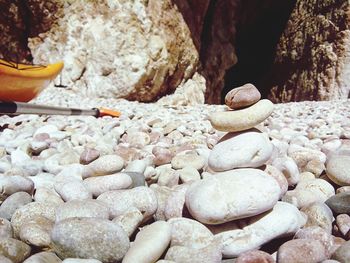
180,161
284,219
44,195
289,169
279,177
244,119
338,169
10,184
236,150
243,96
96,238
232,195
189,233
81,260
82,208
150,243
120,201
162,194
100,184
176,201
73,190
106,164
129,220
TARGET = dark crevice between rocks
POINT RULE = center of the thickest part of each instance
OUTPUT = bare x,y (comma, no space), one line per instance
256,41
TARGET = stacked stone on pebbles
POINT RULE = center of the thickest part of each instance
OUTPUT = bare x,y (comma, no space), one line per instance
237,190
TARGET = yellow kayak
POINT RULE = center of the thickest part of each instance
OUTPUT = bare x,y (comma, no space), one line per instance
24,82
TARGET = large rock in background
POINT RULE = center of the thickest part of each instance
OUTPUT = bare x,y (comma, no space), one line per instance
313,56
138,50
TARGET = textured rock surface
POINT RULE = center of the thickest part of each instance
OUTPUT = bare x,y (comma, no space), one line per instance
137,50
312,57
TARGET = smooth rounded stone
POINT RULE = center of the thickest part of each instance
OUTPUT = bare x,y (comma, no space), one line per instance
73,190
136,166
82,208
14,249
137,178
129,220
255,256
194,160
242,97
168,177
302,155
343,223
316,167
4,259
96,238
162,194
104,165
338,169
308,192
29,211
342,254
101,184
48,129
120,201
43,257
319,214
330,261
279,177
235,150
165,261
37,231
13,202
5,229
43,180
208,254
244,119
44,195
137,139
317,233
343,189
301,250
37,147
339,203
232,195
283,220
331,146
289,169
176,202
152,241
189,174
162,155
307,176
189,233
10,184
80,260
89,155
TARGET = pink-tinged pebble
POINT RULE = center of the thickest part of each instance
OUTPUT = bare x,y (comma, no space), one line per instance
243,96
255,256
301,251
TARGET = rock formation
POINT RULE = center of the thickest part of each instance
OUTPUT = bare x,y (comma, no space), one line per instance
312,57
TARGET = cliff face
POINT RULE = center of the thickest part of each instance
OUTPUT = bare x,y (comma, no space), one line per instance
313,54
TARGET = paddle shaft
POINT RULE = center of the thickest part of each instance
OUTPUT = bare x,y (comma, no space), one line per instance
16,108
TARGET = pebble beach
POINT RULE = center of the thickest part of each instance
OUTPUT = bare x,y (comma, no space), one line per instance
163,183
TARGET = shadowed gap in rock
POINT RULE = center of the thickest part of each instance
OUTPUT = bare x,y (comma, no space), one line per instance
258,33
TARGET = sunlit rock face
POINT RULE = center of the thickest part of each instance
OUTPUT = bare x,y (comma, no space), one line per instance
138,50
313,55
